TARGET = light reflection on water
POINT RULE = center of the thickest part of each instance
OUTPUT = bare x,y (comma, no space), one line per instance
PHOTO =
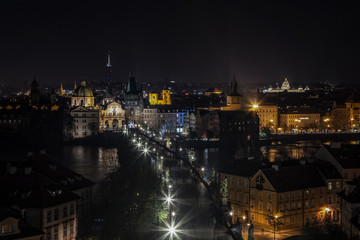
90,161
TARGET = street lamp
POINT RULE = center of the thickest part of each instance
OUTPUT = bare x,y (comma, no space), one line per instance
231,213
275,222
168,199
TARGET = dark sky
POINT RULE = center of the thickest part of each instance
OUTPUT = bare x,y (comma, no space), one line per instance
187,41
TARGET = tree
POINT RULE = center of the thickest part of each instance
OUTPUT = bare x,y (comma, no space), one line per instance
128,199
322,229
223,188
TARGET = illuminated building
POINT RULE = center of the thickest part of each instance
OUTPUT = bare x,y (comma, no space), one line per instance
285,87
296,194
13,226
298,119
339,119
233,100
160,99
86,118
164,119
353,112
350,203
268,116
238,176
86,122
212,90
82,96
49,206
112,117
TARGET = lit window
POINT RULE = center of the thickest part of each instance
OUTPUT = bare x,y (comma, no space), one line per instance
329,185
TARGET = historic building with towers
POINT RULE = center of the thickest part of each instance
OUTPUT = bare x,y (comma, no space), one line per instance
134,103
161,99
285,87
83,112
233,100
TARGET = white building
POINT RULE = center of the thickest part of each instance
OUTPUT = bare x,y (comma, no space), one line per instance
86,122
285,87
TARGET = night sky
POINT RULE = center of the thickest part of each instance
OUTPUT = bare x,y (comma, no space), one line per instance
186,41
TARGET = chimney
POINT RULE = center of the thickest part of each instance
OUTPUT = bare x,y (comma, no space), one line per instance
276,167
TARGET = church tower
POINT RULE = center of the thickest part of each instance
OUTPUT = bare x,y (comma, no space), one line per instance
108,74
35,93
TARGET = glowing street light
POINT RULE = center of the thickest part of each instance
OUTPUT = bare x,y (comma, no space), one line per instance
203,169
255,106
173,213
172,230
168,199
231,213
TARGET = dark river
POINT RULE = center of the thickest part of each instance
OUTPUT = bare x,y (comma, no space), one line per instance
95,162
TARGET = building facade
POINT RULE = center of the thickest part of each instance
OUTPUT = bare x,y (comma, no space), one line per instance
299,119
82,96
112,117
86,122
268,116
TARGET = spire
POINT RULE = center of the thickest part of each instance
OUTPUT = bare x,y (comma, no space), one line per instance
75,85
108,60
61,91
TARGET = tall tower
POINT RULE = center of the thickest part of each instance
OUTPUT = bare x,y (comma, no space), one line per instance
108,74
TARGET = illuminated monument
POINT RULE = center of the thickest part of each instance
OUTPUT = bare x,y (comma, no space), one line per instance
285,87
161,99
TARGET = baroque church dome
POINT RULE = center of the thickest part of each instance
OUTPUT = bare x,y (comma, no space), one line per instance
83,91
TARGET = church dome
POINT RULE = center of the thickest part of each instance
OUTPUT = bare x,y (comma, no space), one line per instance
83,91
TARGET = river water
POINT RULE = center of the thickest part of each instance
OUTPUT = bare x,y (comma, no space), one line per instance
95,162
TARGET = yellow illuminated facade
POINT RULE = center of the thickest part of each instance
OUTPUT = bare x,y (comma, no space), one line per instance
268,116
300,120
160,99
353,113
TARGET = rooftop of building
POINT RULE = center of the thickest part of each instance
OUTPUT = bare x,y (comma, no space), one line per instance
348,155
352,191
300,110
57,172
83,91
294,178
31,189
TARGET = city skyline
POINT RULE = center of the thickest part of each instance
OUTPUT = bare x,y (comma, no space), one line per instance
197,42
